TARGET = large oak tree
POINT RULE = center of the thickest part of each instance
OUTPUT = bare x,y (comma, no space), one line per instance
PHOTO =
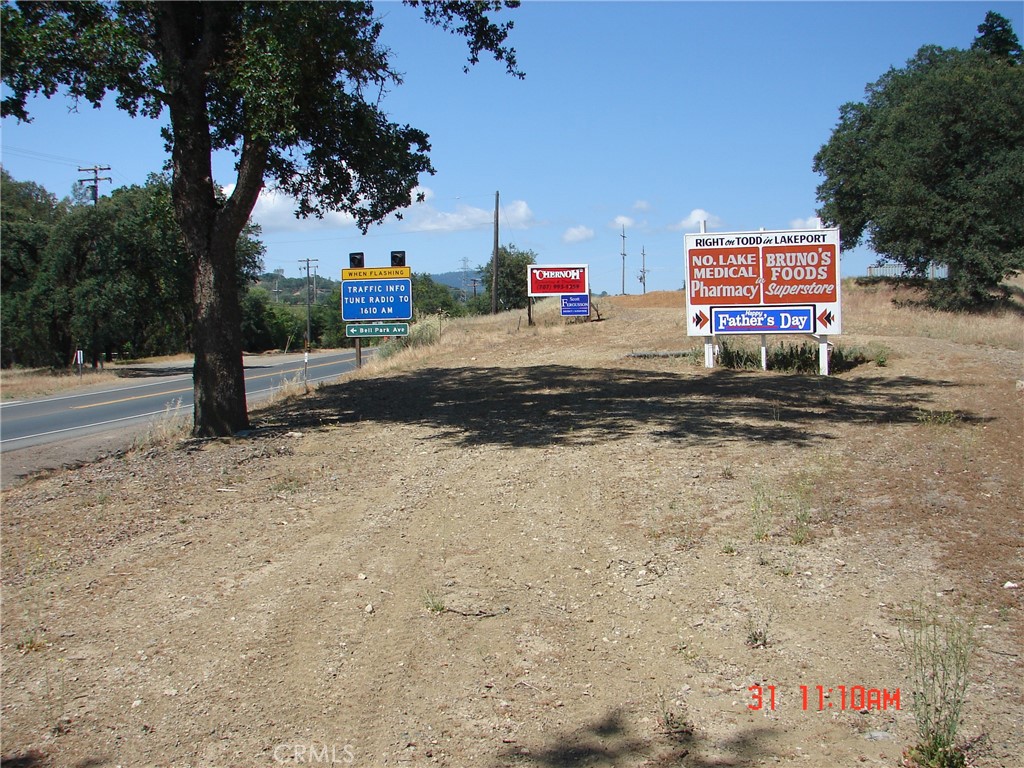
291,88
930,166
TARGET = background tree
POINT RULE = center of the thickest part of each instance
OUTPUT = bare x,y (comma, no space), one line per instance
28,219
430,297
996,37
930,167
291,88
105,278
512,288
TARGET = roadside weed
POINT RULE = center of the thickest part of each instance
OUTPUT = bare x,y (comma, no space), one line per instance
937,418
939,651
433,603
758,628
673,724
761,512
172,425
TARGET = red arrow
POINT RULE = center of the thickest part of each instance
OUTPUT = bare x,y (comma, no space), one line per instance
826,318
700,319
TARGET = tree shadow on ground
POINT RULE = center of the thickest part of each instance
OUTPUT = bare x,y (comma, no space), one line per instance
152,372
609,742
554,405
161,371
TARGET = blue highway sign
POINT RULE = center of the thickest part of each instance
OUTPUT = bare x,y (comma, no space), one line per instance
376,299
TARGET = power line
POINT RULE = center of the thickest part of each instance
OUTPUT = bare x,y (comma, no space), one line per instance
44,157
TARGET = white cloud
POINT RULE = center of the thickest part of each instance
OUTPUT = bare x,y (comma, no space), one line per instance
275,212
516,214
577,234
695,217
811,222
622,221
641,205
428,219
425,218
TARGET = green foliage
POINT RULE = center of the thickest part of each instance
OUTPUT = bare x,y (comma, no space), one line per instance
292,290
930,167
432,298
790,358
512,289
110,278
997,38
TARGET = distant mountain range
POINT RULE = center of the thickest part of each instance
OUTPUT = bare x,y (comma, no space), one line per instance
457,279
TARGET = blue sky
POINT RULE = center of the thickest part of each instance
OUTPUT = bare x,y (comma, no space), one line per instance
647,115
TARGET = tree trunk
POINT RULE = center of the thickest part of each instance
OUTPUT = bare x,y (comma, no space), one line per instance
219,375
191,36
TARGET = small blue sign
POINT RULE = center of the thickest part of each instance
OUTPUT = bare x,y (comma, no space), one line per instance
575,305
762,319
387,299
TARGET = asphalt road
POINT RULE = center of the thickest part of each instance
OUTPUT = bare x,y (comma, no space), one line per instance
61,429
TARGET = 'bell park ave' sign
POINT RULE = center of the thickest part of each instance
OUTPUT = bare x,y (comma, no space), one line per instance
763,282
549,280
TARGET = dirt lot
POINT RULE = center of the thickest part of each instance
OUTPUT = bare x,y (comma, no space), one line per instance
530,548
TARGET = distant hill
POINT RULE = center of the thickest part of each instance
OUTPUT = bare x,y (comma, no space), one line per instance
292,290
455,279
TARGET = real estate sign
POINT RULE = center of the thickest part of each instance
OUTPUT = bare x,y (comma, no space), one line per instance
557,280
785,281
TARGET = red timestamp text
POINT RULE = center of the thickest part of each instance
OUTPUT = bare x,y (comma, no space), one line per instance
821,698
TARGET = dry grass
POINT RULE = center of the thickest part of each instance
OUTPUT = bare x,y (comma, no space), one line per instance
169,428
870,310
20,383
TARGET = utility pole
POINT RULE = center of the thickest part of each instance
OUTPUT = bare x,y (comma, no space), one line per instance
94,182
643,268
305,363
623,259
494,261
277,285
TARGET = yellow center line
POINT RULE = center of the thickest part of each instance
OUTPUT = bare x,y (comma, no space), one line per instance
187,389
